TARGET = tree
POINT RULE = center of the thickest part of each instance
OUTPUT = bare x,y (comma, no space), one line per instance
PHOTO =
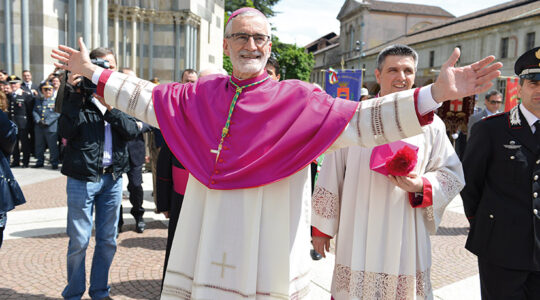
294,62
264,6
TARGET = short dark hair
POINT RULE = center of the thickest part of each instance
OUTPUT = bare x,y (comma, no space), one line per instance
101,52
492,93
4,72
188,71
274,63
26,71
396,50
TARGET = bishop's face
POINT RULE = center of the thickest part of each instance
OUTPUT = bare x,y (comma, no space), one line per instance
397,74
248,45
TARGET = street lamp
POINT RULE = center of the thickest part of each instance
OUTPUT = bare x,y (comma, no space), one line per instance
359,47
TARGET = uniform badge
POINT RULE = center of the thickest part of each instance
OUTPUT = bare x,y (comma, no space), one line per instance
515,120
512,147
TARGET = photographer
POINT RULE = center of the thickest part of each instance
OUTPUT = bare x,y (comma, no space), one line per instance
94,160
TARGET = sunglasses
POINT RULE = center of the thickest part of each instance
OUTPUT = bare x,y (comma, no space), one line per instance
495,102
47,89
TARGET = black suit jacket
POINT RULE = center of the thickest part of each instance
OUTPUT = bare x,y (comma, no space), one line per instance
501,196
136,148
20,109
29,90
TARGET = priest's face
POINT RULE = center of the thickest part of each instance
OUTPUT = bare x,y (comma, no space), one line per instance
397,74
248,45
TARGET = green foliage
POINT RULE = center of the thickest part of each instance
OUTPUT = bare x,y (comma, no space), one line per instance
265,6
227,65
294,62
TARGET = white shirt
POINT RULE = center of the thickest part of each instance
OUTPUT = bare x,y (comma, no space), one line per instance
529,116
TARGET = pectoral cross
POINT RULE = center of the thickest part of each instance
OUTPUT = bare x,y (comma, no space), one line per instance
223,265
216,151
223,135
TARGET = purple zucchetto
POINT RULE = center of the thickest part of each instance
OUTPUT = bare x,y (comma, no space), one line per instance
243,10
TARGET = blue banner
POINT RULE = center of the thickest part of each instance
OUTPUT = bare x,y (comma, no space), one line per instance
346,84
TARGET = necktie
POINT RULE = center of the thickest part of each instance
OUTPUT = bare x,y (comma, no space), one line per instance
537,131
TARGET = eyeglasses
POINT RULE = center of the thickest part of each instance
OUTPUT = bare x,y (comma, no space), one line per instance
243,38
495,102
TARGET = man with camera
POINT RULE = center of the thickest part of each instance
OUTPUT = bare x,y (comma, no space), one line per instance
94,160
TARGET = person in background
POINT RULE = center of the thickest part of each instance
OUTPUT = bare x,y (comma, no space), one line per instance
10,193
4,104
189,75
272,68
137,153
493,104
46,127
384,222
27,84
364,94
20,112
502,195
3,75
55,82
94,160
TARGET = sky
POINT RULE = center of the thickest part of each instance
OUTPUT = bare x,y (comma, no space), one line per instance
303,21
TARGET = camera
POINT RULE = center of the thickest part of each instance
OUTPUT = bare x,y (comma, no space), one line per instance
86,85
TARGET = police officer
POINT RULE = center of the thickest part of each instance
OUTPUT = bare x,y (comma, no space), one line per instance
46,125
502,195
20,112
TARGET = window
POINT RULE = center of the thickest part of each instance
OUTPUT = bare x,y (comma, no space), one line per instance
431,58
351,39
529,40
504,47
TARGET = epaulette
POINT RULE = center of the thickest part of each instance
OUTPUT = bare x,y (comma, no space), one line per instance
494,116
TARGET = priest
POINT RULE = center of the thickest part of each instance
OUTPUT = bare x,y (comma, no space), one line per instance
247,142
384,222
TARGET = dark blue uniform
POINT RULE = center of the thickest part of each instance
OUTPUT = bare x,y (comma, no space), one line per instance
46,130
20,112
502,202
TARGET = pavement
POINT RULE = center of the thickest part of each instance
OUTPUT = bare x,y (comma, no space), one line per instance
33,256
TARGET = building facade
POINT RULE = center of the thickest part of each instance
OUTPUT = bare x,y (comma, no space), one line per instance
155,38
505,31
365,24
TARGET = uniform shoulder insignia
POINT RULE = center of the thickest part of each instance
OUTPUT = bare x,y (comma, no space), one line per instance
494,116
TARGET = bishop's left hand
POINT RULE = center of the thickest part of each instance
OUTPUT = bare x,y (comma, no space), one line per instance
411,183
458,82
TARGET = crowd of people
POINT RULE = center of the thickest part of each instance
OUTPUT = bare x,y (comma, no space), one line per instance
236,177
31,107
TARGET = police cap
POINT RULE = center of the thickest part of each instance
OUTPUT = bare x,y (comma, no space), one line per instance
528,65
14,79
